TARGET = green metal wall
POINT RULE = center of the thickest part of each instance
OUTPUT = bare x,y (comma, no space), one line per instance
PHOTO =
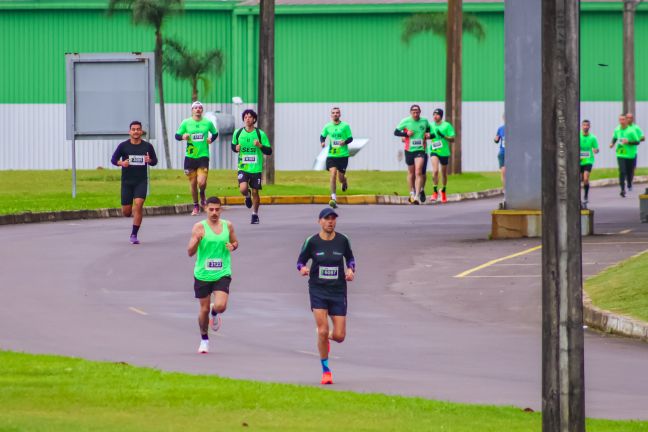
323,54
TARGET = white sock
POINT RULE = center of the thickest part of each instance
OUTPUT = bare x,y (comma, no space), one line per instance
333,196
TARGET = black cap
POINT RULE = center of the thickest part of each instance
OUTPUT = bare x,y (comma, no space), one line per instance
328,211
438,111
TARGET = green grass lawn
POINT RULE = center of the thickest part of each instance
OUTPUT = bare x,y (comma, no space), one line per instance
622,288
50,393
38,191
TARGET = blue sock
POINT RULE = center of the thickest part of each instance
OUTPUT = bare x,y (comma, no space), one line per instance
204,336
325,366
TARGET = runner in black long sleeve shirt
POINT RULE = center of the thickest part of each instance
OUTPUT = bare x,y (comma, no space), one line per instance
134,155
327,284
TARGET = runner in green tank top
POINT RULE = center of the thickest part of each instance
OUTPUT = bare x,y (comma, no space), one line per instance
588,147
212,240
339,135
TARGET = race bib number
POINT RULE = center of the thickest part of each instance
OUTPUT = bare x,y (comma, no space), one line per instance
197,137
330,273
136,160
620,141
503,144
584,155
249,159
337,143
416,143
437,145
214,264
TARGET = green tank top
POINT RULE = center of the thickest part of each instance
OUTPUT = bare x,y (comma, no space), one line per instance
213,260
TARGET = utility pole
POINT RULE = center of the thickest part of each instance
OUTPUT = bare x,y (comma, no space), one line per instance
267,82
563,382
454,34
629,8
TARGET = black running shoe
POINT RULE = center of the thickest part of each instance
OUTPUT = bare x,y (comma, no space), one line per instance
422,196
345,186
248,201
255,219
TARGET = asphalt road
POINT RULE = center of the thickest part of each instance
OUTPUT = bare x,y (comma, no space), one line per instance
80,289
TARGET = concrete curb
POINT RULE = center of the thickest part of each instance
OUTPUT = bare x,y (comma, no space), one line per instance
610,322
57,216
614,182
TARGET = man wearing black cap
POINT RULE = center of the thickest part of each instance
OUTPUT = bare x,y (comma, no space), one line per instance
327,283
442,135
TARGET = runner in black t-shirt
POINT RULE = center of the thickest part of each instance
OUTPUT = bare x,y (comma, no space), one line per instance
327,283
133,155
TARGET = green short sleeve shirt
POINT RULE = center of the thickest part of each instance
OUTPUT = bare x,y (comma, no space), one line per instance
417,141
440,145
587,145
197,144
337,135
625,151
250,157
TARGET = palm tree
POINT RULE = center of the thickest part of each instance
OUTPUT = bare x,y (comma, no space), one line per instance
192,66
153,13
436,24
446,25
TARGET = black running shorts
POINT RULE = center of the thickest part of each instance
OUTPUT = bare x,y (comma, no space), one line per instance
205,288
252,179
340,163
336,306
130,191
443,160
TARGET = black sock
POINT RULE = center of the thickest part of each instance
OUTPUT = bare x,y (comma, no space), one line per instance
213,312
435,189
443,189
205,336
195,204
135,230
586,188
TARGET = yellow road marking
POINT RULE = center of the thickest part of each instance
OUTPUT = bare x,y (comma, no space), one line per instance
503,276
495,261
616,243
141,312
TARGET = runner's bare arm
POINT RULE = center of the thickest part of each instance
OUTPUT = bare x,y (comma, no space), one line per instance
233,240
197,233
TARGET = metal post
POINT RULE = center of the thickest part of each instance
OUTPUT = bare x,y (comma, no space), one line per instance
629,7
563,389
74,167
523,94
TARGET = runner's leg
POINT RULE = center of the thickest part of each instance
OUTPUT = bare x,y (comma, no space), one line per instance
339,328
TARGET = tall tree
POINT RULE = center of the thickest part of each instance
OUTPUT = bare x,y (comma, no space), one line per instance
192,65
266,81
447,26
153,13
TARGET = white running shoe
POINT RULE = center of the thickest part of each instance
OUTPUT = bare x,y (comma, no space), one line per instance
204,347
215,324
